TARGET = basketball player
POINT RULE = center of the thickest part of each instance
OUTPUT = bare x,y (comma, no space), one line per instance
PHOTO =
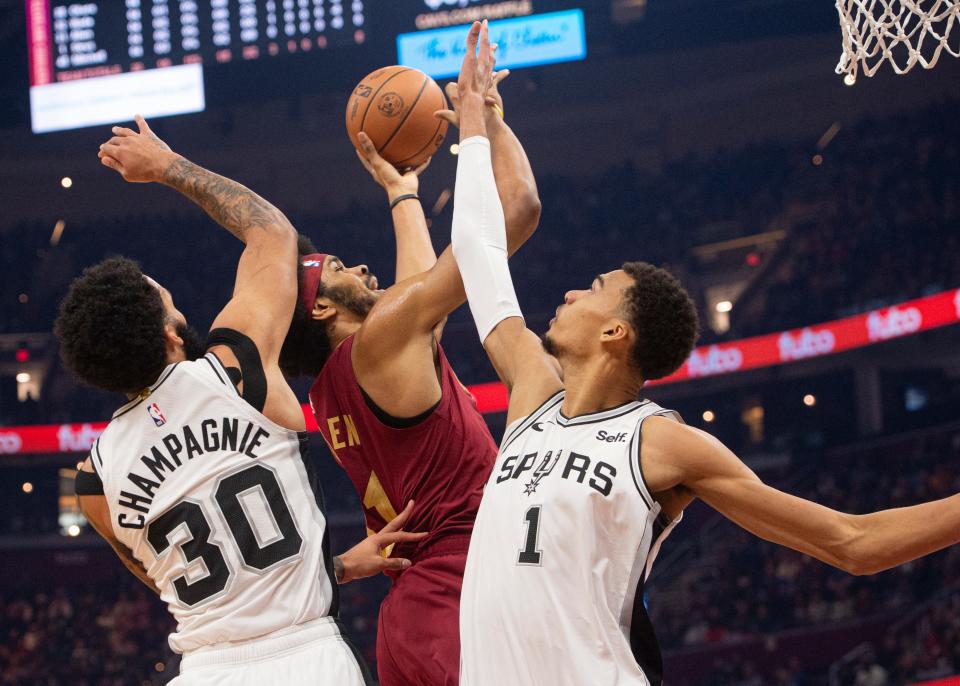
392,410
589,480
201,482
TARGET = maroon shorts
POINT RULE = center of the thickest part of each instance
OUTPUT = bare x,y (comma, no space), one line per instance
418,635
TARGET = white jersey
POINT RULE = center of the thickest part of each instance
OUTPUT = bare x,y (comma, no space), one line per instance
564,540
219,505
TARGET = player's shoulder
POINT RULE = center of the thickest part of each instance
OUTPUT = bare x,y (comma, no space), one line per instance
546,411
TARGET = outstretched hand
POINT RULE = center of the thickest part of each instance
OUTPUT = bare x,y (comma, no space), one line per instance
365,559
394,182
476,78
139,157
493,100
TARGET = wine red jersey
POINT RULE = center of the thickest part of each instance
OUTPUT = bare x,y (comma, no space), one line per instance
441,459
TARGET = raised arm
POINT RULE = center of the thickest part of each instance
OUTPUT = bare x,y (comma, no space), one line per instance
415,253
480,246
265,289
675,455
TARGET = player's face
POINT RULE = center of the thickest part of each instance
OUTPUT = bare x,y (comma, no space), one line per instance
192,344
581,319
352,287
173,314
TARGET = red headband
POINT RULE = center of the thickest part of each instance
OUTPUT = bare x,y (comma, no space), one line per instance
312,273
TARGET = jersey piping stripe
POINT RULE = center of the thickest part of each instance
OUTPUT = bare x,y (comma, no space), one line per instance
635,470
215,362
133,403
95,452
606,415
547,405
214,368
325,544
643,639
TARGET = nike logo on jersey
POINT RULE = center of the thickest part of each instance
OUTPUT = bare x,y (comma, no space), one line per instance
583,469
537,426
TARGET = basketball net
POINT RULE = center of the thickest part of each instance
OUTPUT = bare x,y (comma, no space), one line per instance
901,32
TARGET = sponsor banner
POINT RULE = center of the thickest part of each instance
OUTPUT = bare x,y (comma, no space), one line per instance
949,681
821,339
52,438
725,358
522,42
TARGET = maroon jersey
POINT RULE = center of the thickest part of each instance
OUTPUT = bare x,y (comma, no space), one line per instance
441,459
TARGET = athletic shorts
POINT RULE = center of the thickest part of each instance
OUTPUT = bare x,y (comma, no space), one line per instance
418,635
310,654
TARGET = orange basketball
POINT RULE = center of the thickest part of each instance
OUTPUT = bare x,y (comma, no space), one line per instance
395,106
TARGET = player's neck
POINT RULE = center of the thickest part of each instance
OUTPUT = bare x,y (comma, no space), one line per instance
597,384
342,330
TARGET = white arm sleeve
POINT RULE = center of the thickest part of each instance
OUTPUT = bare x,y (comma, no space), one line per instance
479,239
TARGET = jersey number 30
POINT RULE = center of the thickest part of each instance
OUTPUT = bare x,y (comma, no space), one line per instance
230,497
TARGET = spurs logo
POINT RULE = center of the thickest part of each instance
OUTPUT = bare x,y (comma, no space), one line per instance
546,466
390,105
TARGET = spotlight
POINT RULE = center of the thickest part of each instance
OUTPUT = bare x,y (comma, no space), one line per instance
66,182
724,306
455,149
849,79
817,160
73,530
809,400
27,487
709,416
23,377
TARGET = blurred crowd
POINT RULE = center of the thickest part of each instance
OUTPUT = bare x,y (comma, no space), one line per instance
738,585
728,589
875,220
114,632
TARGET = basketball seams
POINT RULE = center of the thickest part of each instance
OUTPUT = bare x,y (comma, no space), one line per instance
440,123
363,120
413,106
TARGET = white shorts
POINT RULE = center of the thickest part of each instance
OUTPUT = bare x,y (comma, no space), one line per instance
313,654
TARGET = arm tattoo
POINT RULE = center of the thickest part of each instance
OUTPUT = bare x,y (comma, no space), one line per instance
232,205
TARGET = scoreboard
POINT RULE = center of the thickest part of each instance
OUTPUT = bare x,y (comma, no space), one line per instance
101,62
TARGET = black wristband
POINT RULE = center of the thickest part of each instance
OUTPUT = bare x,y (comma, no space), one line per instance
400,198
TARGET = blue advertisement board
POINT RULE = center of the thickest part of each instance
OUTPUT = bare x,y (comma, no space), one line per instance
523,42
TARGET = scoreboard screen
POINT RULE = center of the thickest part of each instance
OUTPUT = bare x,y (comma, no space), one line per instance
100,62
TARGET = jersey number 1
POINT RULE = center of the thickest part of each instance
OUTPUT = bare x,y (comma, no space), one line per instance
531,554
260,555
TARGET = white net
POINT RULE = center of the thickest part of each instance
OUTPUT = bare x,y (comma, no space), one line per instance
902,32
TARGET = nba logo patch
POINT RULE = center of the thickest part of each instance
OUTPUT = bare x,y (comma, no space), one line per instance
312,263
156,415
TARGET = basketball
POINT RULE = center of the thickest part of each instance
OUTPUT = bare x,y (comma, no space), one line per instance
395,107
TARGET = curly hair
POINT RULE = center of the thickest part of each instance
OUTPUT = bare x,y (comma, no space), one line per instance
663,317
111,327
307,346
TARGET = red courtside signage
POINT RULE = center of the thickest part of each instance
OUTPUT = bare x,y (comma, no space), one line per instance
784,347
